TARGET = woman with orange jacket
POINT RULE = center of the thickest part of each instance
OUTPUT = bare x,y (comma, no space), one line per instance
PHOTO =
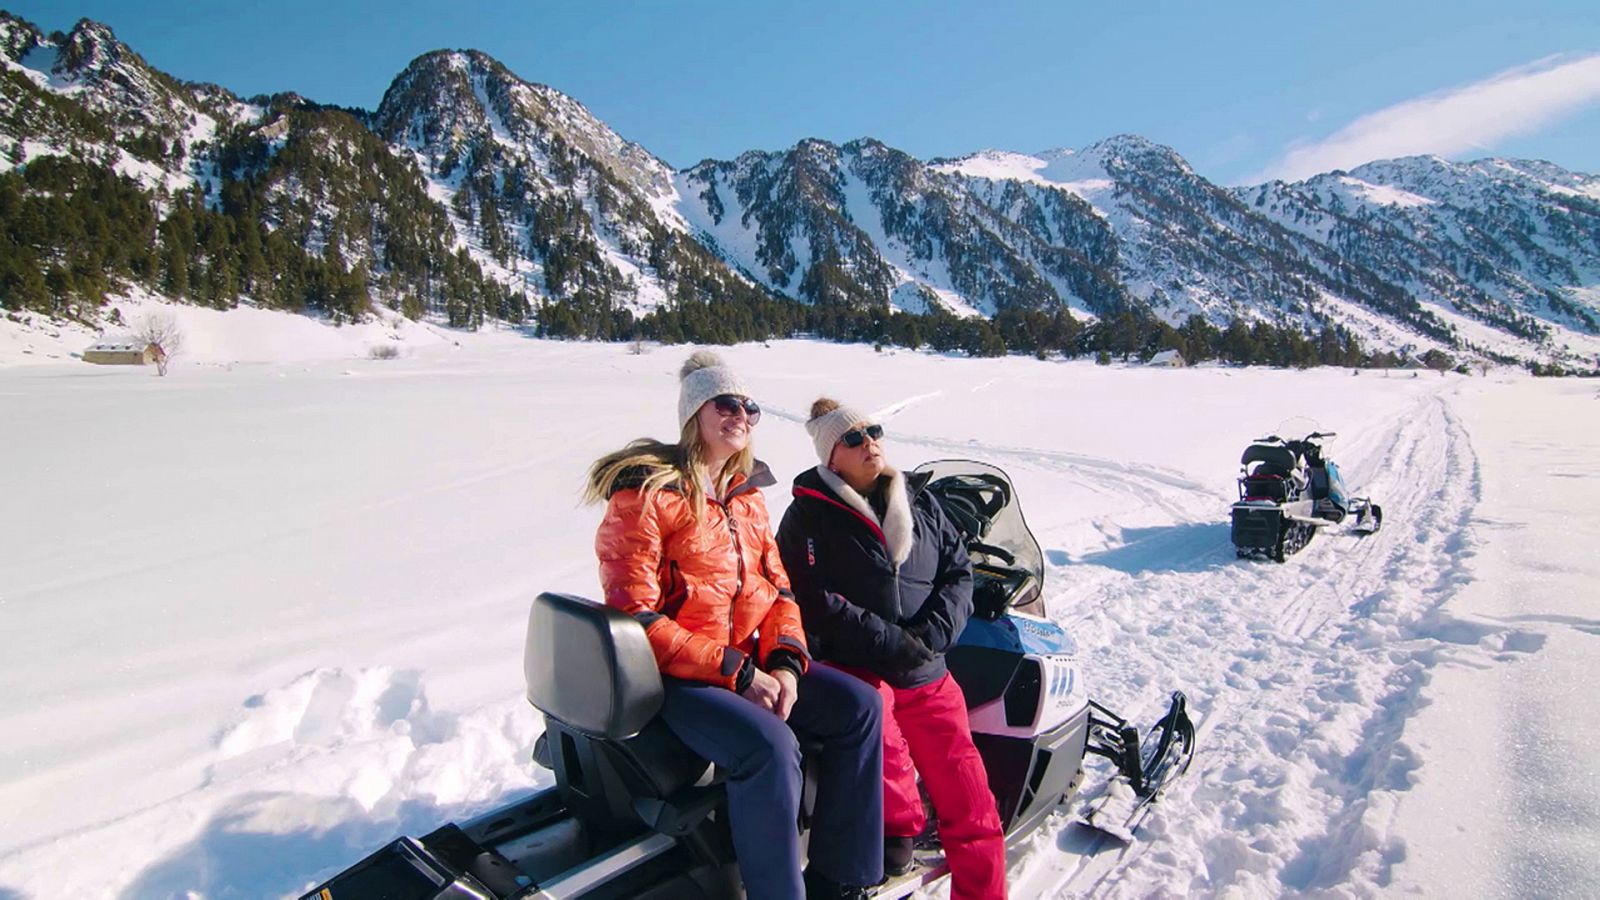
686,547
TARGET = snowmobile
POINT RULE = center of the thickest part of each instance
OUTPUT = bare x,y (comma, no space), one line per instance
1287,492
634,813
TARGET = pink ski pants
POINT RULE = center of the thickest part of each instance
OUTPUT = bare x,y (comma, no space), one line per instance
925,730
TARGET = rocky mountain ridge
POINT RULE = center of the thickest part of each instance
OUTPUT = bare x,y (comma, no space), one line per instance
474,194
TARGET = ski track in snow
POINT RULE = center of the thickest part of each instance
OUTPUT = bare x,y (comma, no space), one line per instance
1147,484
1305,674
1309,715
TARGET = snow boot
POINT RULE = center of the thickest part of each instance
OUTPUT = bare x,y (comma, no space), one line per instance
897,856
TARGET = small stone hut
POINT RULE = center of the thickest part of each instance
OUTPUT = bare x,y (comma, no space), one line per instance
123,352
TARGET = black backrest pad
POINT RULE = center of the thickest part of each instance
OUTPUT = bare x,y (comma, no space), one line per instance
1275,455
590,666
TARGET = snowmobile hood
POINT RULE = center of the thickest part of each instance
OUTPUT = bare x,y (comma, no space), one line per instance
1020,633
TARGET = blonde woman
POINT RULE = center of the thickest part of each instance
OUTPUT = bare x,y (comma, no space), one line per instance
686,548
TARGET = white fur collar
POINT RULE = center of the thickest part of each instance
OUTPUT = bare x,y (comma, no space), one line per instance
897,523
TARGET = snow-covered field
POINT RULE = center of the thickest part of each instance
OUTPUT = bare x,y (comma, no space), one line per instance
265,613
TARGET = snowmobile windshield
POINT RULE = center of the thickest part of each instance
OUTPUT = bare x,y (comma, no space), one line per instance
982,502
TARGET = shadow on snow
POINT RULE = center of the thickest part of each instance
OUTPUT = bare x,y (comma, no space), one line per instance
260,845
1191,547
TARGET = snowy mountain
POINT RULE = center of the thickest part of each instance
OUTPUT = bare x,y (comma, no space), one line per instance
542,190
1472,252
1514,244
1324,248
475,195
279,202
1187,245
862,222
88,95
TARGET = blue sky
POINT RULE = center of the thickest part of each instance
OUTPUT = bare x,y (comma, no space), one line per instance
1242,90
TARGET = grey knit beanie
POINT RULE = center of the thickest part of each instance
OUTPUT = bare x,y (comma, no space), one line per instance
829,421
703,376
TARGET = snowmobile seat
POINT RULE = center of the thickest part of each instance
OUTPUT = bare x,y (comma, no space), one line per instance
590,670
1276,459
972,500
1007,567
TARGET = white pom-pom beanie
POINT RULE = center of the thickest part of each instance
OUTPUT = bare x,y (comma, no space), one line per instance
826,429
703,376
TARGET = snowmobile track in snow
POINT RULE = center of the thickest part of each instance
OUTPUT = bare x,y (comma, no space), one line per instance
1305,674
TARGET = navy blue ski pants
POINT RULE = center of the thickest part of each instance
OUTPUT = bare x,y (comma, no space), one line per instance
761,756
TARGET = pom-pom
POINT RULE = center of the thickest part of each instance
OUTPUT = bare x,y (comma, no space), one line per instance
700,359
822,406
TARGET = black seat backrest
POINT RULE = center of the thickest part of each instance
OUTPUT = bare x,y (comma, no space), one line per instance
1279,457
591,671
590,666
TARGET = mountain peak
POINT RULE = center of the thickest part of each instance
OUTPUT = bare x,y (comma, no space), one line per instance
816,146
1133,147
92,46
17,36
454,105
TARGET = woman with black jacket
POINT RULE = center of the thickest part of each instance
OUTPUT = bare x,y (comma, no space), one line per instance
885,588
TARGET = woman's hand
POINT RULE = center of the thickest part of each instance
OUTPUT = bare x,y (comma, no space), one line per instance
788,691
908,652
764,691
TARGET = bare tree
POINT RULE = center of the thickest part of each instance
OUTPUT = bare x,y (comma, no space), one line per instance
161,331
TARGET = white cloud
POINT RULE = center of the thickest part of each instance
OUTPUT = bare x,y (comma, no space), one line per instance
1468,118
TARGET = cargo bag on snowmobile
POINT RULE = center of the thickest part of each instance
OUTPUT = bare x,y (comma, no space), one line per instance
1257,527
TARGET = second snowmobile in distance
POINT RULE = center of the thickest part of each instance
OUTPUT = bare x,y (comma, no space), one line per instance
1287,491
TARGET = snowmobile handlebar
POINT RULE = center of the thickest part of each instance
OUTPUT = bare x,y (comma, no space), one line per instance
1313,436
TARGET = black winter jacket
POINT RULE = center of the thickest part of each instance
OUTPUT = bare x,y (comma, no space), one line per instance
856,605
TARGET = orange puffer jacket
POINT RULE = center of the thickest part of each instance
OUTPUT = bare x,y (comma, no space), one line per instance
710,593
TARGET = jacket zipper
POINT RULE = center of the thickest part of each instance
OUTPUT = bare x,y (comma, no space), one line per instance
738,561
877,531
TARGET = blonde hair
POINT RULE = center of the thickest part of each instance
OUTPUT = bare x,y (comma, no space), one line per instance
661,464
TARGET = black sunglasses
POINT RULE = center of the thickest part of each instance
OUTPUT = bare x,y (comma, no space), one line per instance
729,405
855,437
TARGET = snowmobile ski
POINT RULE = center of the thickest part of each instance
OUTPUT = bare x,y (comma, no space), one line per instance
1144,768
